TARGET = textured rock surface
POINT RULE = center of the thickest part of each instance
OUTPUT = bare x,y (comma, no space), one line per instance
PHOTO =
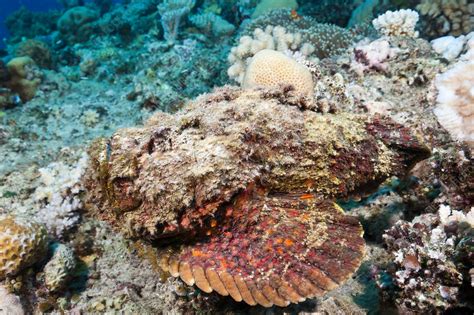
251,186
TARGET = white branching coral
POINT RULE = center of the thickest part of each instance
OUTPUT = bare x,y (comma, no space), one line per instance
58,195
397,23
455,110
272,38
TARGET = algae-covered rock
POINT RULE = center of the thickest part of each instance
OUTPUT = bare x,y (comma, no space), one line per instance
249,179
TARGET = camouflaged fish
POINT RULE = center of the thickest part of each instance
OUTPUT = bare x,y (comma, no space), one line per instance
246,182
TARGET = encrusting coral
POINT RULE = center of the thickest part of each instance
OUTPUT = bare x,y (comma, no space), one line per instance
251,190
23,244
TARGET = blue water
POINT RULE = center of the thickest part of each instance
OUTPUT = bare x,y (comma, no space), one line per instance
7,7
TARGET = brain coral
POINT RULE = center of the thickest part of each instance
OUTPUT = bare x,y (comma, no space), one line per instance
248,191
23,243
270,68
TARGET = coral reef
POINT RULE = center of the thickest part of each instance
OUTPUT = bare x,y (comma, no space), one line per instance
23,244
36,50
271,69
446,17
398,23
455,99
24,23
77,24
59,268
327,39
198,198
425,253
219,188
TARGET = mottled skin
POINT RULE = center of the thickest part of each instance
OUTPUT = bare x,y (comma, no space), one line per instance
246,180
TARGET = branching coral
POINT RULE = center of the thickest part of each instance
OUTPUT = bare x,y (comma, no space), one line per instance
172,12
327,39
398,23
446,17
58,196
273,38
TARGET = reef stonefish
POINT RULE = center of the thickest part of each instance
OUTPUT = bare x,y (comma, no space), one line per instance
242,185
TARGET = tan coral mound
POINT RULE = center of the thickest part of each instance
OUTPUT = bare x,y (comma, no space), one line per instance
22,244
270,69
246,181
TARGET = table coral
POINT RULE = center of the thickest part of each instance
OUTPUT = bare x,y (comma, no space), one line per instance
250,189
23,244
